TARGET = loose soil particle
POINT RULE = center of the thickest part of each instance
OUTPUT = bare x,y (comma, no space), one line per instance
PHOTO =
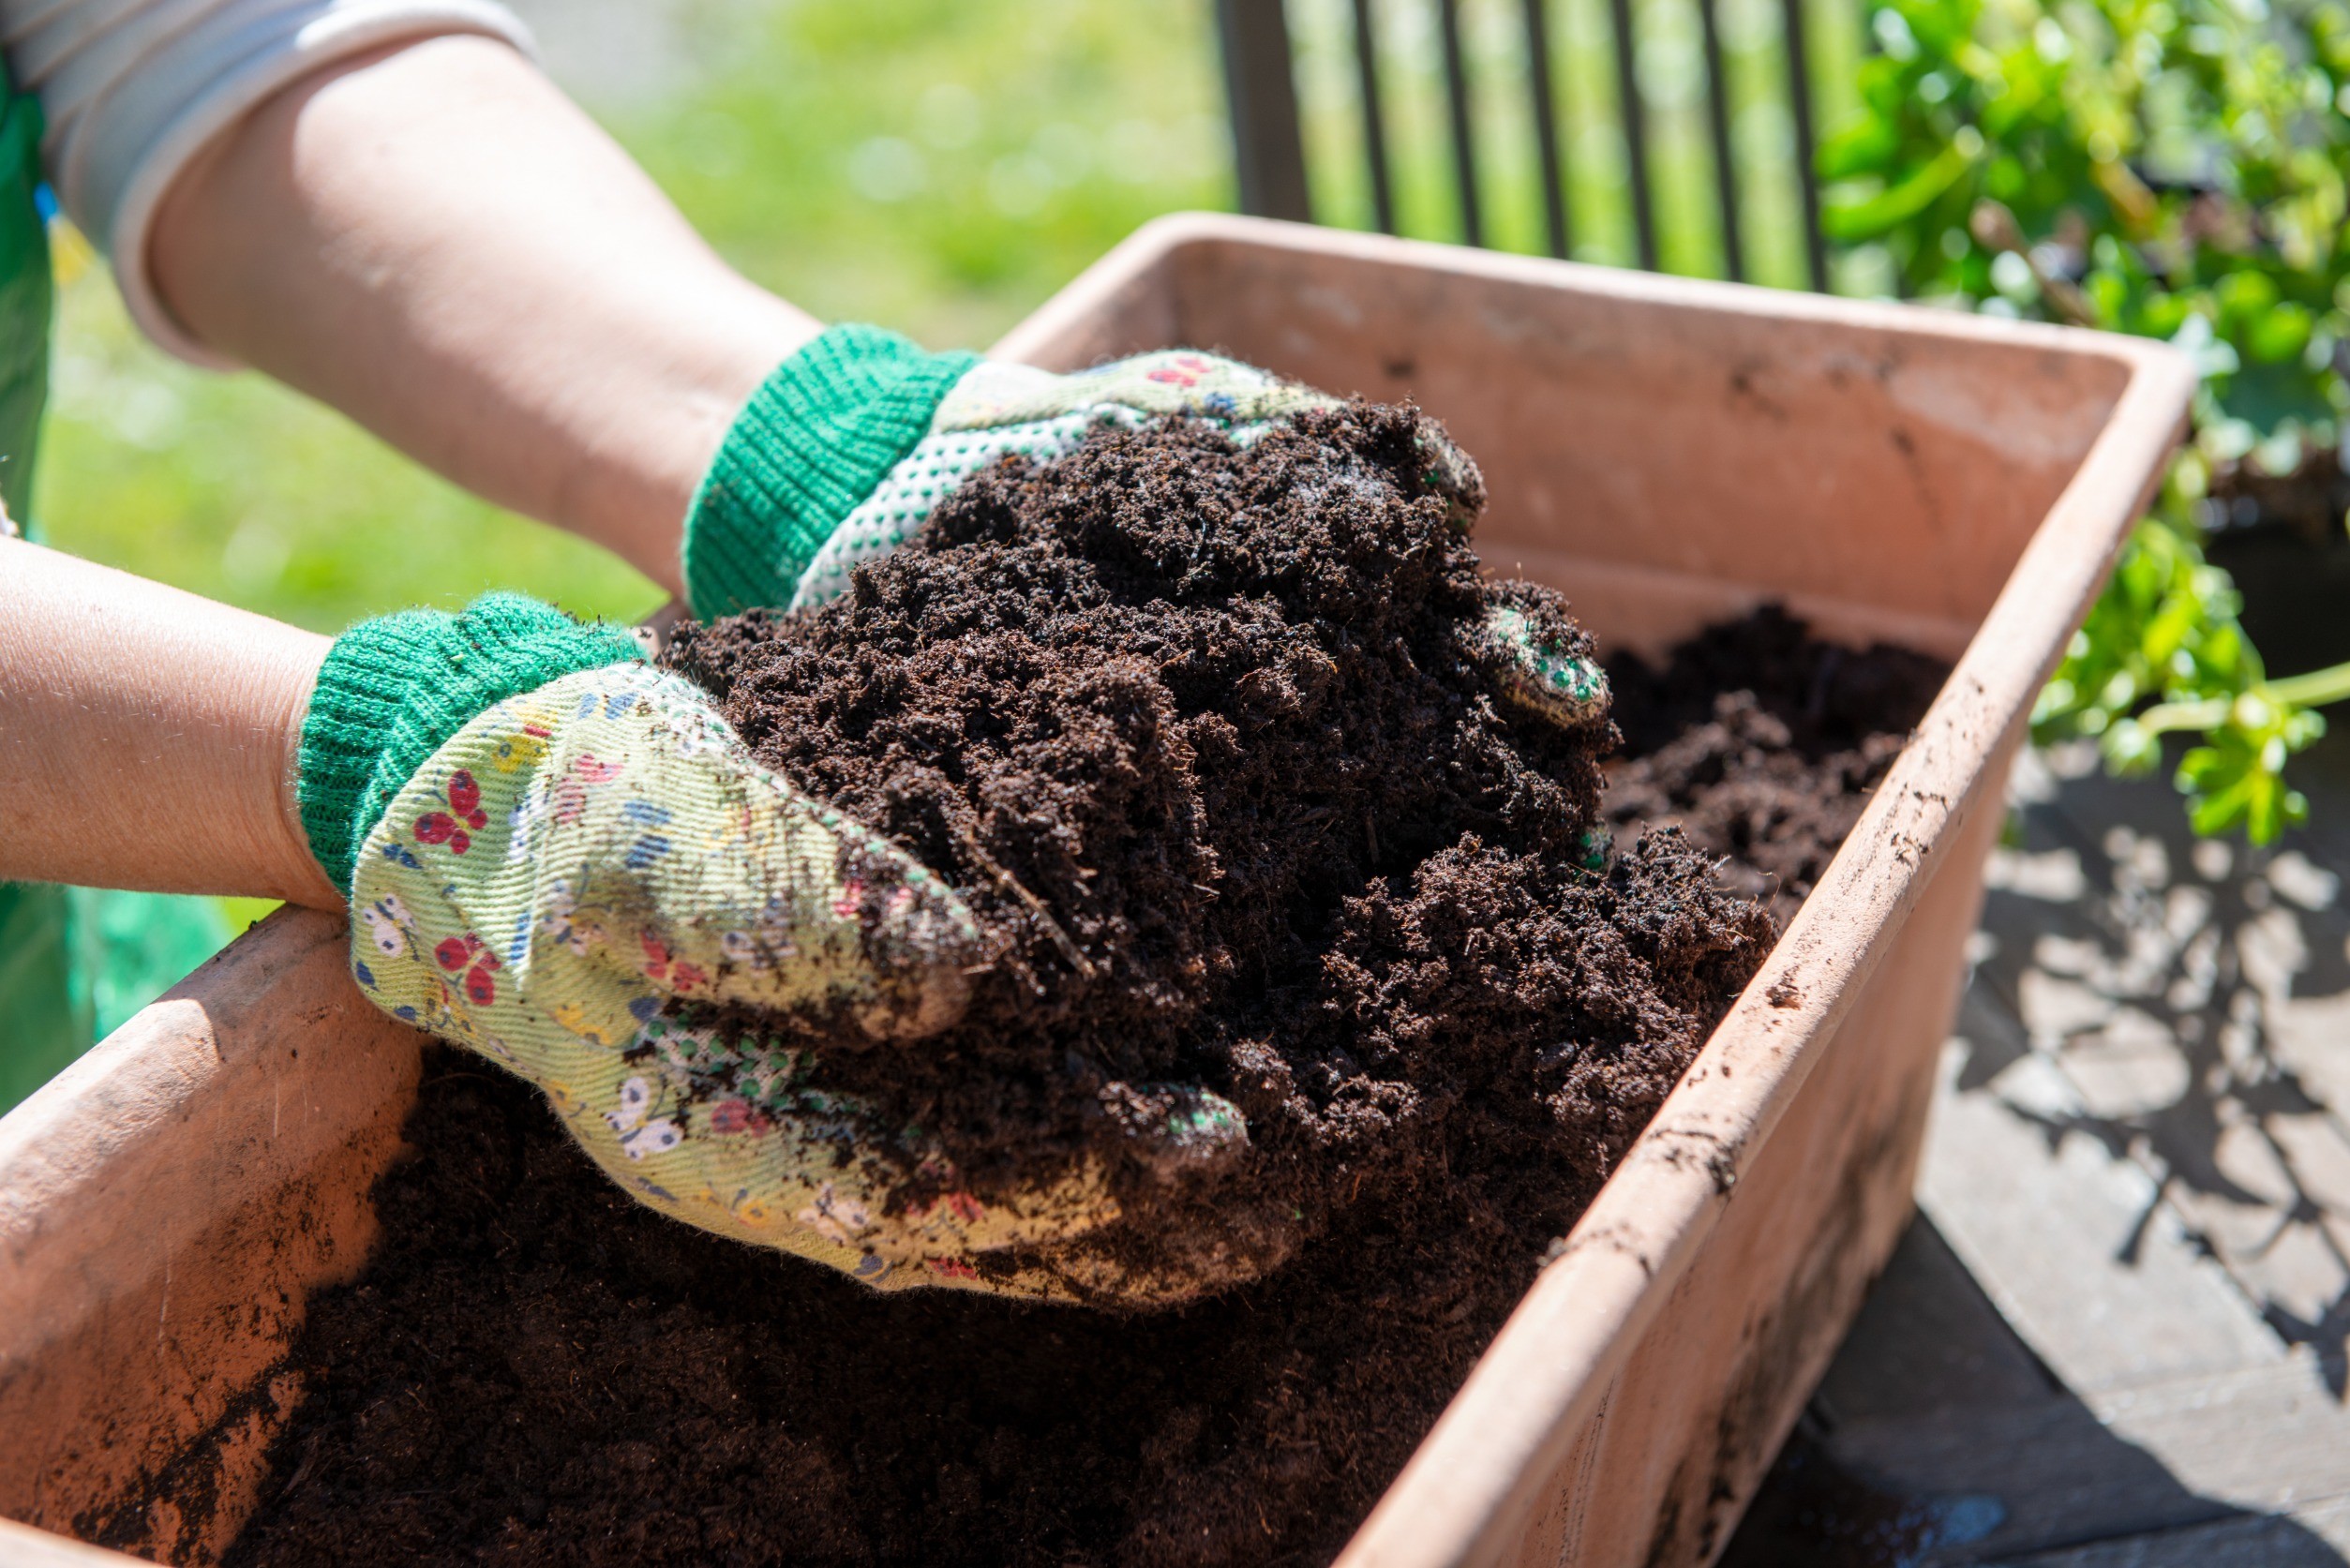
1443,1031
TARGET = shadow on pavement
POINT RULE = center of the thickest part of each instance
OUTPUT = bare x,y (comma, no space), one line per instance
1938,1438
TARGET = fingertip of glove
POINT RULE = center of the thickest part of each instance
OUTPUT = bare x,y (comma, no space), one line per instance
1551,678
1179,1131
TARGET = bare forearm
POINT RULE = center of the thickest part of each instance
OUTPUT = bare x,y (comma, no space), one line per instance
438,243
148,737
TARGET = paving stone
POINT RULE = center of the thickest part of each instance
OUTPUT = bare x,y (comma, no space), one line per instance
2239,1541
2053,875
2120,1335
2054,1008
2067,1238
2298,1274
2317,1151
2310,1035
2263,1438
2129,1067
2297,878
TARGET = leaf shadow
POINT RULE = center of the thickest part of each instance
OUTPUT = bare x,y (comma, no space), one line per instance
2185,1004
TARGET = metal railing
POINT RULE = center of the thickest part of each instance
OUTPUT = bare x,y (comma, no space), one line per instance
1269,143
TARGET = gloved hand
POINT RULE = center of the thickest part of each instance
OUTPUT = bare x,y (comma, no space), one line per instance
549,846
845,448
849,446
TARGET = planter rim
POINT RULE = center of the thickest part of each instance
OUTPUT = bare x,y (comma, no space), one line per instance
1119,266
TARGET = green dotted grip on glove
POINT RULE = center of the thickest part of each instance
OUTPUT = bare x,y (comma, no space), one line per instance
1548,679
1565,687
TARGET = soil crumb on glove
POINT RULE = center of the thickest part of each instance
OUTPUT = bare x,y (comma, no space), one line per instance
1208,738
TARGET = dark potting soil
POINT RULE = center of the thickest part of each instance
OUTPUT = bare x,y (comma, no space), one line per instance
1761,743
534,1369
1211,740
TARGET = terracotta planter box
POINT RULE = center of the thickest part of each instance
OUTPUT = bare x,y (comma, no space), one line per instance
1668,453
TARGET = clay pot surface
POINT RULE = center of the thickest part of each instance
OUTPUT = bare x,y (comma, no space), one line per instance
1668,453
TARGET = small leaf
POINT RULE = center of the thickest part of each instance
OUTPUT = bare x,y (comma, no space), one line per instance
1873,215
2130,750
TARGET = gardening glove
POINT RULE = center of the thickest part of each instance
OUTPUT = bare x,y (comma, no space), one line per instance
844,452
557,854
848,447
1557,679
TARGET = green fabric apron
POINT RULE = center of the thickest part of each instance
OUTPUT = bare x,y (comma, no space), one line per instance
74,963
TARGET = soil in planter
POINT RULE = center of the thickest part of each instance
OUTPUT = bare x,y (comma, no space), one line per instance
539,1371
534,1370
1761,743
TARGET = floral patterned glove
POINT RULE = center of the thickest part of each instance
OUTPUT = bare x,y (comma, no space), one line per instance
549,846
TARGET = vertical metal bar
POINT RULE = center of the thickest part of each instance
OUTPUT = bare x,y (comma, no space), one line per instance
1717,120
1871,46
1545,126
1634,117
1382,201
1806,153
1268,151
1464,150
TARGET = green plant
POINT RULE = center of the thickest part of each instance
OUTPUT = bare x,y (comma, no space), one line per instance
2162,653
2173,169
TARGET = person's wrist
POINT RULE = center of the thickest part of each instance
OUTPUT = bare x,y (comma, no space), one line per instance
635,494
391,690
296,876
816,437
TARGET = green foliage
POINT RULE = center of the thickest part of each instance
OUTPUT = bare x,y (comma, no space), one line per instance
2171,169
2162,653
2177,167
2164,631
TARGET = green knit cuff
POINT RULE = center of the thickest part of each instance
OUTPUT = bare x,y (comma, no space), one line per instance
815,439
394,689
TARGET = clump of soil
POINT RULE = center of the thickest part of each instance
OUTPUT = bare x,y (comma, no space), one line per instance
1208,737
1159,671
1761,743
535,1371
